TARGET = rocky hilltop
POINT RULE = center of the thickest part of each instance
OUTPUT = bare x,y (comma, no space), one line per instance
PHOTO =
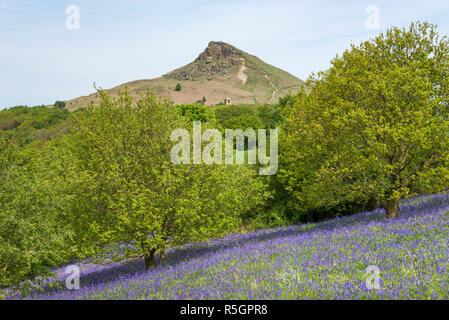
221,74
216,60
218,50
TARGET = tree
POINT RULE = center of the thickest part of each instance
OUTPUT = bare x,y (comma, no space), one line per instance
230,112
197,112
375,124
59,104
128,198
178,87
269,115
32,237
243,122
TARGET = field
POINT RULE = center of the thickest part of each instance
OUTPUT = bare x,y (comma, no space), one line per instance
325,260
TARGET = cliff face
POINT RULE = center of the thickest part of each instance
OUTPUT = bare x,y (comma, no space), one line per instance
218,59
218,50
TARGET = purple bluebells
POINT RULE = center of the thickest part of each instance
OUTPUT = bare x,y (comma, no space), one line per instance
325,260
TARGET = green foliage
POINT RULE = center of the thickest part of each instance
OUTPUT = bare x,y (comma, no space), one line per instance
286,101
374,126
197,112
248,116
370,130
243,122
59,104
32,239
124,189
23,125
267,217
224,113
269,116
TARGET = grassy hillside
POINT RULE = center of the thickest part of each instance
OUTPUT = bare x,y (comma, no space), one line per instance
323,261
221,71
23,124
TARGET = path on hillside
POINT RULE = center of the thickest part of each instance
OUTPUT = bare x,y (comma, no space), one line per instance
241,74
275,89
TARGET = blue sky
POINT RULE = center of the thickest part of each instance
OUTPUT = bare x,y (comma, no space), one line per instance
42,61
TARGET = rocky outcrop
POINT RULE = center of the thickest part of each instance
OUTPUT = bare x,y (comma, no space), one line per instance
215,61
218,50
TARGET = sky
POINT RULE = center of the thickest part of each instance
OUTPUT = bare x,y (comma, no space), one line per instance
48,52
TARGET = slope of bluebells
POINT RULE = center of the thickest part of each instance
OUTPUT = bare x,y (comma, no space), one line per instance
313,261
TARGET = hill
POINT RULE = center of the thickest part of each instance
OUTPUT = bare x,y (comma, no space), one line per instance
220,72
325,260
22,124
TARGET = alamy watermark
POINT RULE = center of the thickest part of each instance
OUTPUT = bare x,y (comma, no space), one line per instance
213,152
73,20
372,21
72,282
372,278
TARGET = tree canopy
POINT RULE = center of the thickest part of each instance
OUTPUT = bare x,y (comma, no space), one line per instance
375,124
125,192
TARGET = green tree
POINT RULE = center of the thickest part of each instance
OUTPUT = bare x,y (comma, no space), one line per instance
269,115
126,194
32,237
197,112
26,124
374,125
224,113
286,101
59,104
178,87
243,122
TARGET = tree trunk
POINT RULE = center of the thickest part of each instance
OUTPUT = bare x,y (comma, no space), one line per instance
162,256
392,208
149,259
